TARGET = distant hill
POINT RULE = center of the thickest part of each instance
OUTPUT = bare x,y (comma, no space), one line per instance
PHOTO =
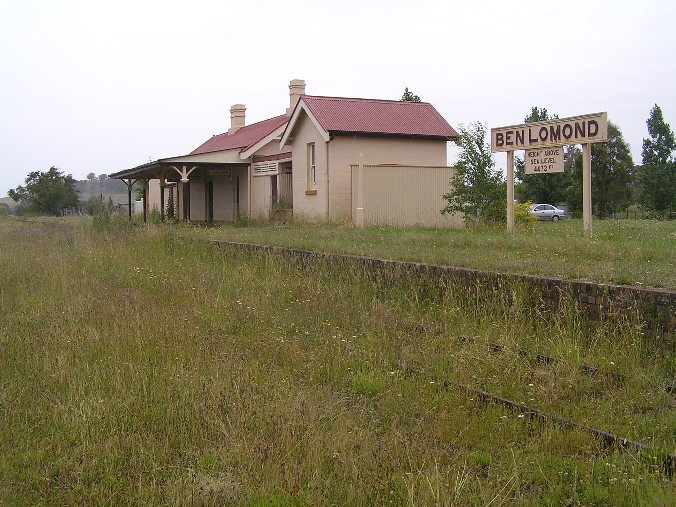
112,188
9,202
115,189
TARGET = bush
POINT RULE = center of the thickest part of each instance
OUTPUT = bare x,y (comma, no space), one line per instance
93,206
154,217
522,212
496,212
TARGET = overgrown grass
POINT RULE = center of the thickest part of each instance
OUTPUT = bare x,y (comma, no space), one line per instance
139,367
620,251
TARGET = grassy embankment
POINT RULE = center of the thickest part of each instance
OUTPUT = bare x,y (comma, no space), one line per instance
137,367
620,251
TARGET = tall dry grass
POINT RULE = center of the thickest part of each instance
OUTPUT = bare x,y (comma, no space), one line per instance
141,367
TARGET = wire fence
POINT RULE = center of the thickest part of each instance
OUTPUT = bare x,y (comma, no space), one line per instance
642,214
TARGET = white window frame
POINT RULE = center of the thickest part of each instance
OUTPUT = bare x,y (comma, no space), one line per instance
311,166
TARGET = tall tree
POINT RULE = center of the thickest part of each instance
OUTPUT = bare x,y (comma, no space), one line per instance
46,192
409,96
477,185
545,188
611,175
539,114
657,178
570,156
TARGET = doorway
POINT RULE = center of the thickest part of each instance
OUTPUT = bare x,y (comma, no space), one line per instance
210,201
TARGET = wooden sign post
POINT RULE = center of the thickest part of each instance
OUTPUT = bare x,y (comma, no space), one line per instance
547,138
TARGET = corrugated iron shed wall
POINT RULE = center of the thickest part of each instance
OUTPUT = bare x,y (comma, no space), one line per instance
404,195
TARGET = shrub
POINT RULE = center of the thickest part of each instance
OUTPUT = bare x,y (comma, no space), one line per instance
496,212
522,212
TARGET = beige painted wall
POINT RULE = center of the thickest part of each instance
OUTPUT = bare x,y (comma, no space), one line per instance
224,196
154,196
154,201
197,200
309,206
272,148
261,197
333,199
243,175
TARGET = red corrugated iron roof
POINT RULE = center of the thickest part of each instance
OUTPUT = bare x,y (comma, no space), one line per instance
369,116
244,138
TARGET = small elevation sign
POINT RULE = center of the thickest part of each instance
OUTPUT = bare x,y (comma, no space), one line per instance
588,128
544,160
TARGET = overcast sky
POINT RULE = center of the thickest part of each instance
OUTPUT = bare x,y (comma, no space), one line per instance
91,86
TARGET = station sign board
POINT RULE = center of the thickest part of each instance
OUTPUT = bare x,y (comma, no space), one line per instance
544,160
588,128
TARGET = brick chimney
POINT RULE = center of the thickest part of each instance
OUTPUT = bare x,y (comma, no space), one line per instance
296,91
237,117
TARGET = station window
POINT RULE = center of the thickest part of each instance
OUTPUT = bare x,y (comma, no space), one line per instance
311,167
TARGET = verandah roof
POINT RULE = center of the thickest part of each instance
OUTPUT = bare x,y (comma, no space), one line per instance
170,170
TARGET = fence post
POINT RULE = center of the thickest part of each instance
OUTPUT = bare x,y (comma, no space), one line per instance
359,218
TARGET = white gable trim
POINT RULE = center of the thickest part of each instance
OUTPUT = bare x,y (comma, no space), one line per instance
270,137
294,118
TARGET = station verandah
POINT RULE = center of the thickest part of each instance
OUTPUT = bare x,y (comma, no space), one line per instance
205,192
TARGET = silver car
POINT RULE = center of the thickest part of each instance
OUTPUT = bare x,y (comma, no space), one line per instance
547,212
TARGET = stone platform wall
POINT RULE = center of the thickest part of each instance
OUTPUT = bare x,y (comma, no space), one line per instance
654,308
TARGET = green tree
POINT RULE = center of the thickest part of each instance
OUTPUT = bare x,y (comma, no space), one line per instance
539,114
93,206
545,188
46,192
139,190
477,187
570,156
657,178
91,176
409,96
611,175
5,209
170,208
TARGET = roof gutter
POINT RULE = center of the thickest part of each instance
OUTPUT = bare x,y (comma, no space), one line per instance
343,133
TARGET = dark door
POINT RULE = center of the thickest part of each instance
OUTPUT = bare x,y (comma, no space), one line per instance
210,201
236,196
273,181
186,201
